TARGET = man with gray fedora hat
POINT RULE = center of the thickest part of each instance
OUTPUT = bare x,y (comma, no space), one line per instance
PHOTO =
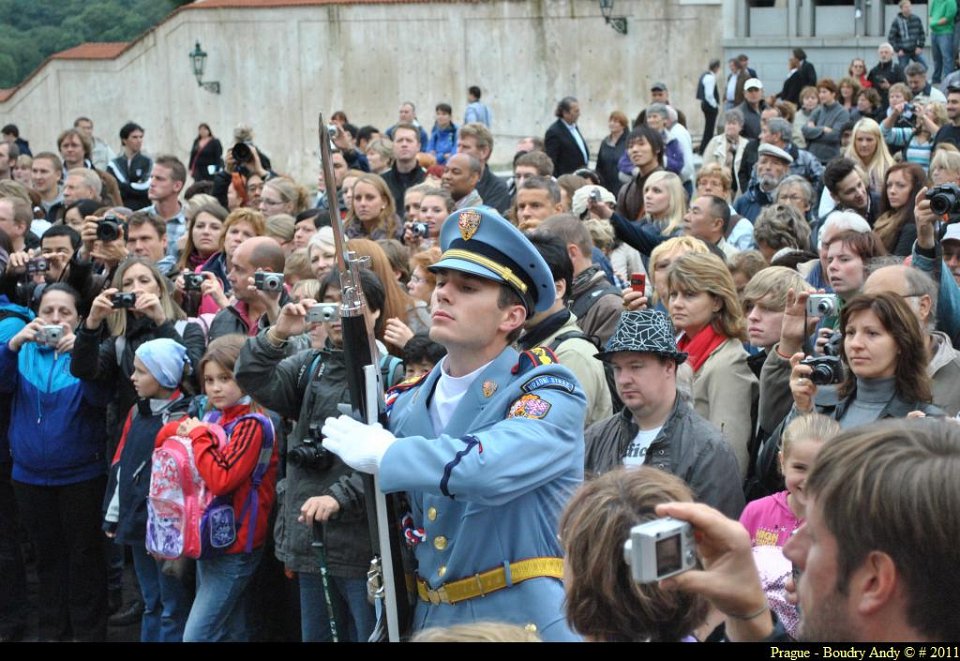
657,426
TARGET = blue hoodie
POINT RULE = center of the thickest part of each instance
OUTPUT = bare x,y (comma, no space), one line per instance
57,423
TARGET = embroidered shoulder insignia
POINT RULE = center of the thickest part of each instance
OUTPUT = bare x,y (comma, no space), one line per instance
548,381
533,358
529,406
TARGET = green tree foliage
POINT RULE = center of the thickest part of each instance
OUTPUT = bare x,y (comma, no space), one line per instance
32,30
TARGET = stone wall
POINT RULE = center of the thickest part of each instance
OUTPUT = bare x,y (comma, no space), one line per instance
278,67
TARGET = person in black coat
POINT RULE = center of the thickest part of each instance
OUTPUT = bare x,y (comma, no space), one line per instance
802,74
563,141
206,155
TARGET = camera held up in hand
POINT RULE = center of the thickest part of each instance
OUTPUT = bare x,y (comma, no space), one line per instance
944,199
109,228
827,370
659,549
49,335
268,282
123,300
823,305
192,281
322,312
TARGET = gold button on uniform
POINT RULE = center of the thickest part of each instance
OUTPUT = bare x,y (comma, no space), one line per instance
530,627
440,542
441,571
432,513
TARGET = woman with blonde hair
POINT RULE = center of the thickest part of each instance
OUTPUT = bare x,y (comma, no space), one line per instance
869,150
663,257
282,195
704,306
373,213
945,165
664,204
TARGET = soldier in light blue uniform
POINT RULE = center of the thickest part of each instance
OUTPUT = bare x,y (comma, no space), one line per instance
488,445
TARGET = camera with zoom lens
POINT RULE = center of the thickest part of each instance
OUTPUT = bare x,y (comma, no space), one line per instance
944,199
827,370
909,111
241,153
322,312
49,335
310,453
123,300
192,281
267,281
659,549
823,305
109,228
38,265
421,230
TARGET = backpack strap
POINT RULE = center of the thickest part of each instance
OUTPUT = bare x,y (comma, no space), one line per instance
388,366
570,335
586,300
251,504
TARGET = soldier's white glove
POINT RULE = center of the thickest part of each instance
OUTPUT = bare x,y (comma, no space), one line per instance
360,446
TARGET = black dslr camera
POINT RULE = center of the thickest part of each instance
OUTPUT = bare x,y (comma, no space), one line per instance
826,369
311,454
944,199
109,228
241,153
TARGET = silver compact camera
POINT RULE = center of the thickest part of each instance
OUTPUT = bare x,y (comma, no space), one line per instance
659,549
322,312
823,305
49,334
266,281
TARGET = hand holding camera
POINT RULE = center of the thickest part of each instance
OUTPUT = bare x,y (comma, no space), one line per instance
926,221
18,262
659,549
54,336
802,385
100,309
729,578
292,319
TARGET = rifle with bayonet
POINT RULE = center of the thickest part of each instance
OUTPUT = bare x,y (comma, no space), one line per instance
386,579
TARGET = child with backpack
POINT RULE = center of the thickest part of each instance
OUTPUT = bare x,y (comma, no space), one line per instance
159,367
243,471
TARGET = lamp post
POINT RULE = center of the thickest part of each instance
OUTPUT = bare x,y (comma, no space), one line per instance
198,59
618,23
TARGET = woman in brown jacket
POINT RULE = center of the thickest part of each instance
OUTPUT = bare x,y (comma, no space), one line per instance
704,306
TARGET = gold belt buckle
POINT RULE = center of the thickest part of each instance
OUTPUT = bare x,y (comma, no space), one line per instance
434,596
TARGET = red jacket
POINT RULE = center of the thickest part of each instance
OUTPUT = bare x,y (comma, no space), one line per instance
228,470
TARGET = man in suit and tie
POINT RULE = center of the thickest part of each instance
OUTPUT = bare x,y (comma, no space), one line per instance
563,142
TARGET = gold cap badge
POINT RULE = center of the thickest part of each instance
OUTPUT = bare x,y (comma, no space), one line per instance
468,222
